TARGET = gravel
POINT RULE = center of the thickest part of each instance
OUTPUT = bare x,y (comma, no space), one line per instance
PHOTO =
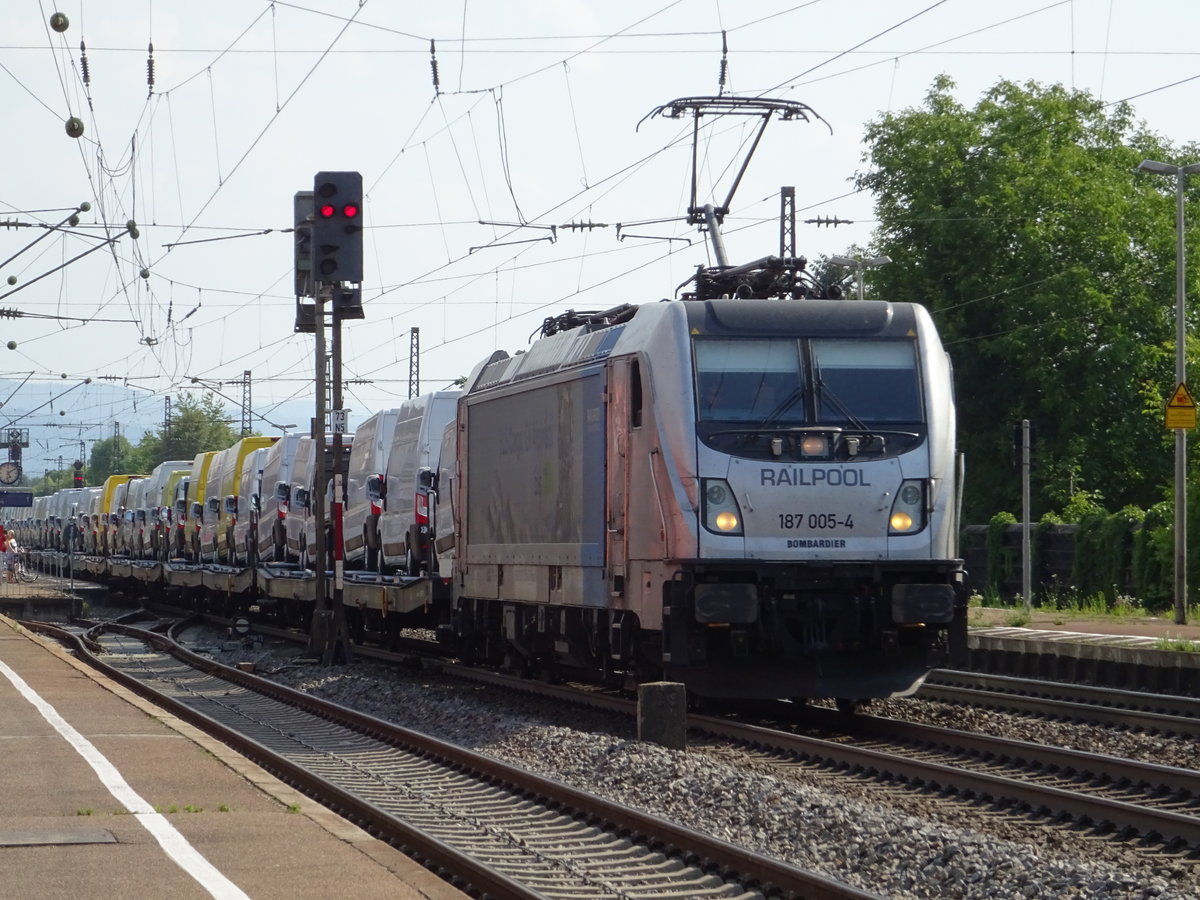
877,837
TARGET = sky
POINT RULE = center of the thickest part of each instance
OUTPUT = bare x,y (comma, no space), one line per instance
539,117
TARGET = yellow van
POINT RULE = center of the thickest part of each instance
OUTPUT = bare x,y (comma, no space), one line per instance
232,468
103,528
192,514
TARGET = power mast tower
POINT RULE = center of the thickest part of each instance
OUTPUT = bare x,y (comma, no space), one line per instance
246,405
414,363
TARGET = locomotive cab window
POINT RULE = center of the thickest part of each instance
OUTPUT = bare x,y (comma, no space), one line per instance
757,398
748,380
872,382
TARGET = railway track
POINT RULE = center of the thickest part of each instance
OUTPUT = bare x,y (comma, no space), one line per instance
1155,805
498,830
1152,804
1154,713
1158,806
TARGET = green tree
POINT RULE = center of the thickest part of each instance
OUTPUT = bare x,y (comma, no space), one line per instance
51,481
114,456
196,424
1047,265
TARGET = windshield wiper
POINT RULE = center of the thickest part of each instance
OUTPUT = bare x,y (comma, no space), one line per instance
824,391
787,403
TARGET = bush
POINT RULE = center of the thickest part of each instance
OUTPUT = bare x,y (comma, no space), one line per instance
1001,560
1154,557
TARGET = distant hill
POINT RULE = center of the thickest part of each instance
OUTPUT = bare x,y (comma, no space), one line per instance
64,417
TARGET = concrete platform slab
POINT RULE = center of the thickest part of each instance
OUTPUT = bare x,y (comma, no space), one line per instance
260,836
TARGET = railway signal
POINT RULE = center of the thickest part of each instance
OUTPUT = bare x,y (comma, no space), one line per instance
337,245
334,272
302,209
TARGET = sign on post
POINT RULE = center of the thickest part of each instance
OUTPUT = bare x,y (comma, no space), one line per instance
1181,409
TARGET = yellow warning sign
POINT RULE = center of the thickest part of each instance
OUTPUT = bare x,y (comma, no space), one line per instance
1181,409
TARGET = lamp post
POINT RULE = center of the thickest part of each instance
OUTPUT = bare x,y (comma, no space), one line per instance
1180,173
859,265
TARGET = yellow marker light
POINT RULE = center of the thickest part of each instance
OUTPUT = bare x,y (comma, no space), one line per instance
727,521
901,521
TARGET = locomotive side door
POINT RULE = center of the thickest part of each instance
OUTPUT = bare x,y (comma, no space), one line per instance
621,371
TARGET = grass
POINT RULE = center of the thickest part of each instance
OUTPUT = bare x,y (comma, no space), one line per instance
1018,618
1066,604
1179,645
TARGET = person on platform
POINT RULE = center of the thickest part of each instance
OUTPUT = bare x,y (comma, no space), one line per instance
10,559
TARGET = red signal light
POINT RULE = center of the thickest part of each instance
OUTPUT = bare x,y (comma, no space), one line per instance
326,210
350,210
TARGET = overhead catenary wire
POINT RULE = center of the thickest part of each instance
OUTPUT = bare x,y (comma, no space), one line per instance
509,263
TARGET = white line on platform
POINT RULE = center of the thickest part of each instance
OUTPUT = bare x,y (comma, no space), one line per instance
175,844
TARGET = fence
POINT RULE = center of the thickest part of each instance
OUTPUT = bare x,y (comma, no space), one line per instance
1052,548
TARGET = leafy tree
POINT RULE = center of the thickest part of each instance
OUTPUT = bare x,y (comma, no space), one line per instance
114,456
1048,266
196,424
51,481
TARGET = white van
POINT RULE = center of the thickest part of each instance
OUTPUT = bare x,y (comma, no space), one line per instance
89,518
65,509
244,516
302,521
116,515
210,516
413,462
157,496
364,489
275,498
442,511
40,505
132,528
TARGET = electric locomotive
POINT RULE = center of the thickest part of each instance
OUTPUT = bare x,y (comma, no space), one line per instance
755,497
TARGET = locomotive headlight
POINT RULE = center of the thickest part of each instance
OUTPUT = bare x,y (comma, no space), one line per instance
908,510
720,512
814,445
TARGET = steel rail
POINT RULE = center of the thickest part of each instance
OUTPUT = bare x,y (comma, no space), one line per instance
734,863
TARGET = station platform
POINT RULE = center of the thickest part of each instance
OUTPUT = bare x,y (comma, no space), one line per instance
49,598
103,794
